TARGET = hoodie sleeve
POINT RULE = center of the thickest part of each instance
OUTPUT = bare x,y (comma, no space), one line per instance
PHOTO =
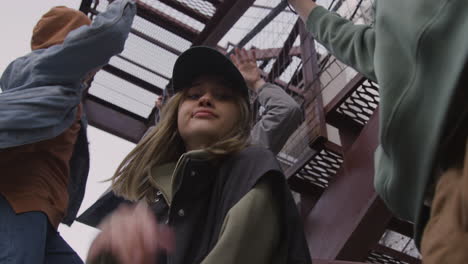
352,44
88,47
281,117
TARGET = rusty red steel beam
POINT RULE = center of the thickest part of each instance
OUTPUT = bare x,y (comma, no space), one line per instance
154,41
105,116
288,86
132,79
161,75
349,218
348,132
307,202
165,21
267,54
186,9
271,53
226,15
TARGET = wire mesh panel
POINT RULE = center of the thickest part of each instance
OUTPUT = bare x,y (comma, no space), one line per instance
362,103
152,49
321,168
123,94
282,60
203,7
177,15
163,35
149,55
146,74
333,73
379,258
278,52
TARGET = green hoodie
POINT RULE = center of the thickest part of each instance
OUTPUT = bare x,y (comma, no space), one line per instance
417,52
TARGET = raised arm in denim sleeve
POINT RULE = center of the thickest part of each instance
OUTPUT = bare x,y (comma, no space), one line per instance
88,47
352,44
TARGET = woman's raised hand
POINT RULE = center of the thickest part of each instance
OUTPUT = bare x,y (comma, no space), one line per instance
246,63
132,235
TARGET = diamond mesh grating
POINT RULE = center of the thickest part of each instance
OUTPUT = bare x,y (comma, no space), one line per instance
379,258
203,7
362,103
321,168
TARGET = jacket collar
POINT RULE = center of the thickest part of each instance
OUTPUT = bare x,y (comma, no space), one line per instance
169,174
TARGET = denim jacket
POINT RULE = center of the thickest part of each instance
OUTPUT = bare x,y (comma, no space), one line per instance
41,91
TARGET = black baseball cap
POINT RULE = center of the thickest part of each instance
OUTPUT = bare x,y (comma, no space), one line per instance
201,60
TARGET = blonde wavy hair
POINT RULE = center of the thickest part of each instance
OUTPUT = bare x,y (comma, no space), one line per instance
164,144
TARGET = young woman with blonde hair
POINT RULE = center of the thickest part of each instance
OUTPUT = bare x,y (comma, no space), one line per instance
206,194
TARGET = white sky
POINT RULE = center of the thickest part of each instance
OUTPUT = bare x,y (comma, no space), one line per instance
17,18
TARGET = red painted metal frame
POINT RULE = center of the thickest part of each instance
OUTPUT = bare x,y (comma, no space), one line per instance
157,17
111,119
349,218
155,41
267,54
184,8
227,14
132,79
290,87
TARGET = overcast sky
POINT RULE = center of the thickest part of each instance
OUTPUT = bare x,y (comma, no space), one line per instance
17,18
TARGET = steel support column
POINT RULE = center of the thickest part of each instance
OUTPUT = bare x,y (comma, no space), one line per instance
349,218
